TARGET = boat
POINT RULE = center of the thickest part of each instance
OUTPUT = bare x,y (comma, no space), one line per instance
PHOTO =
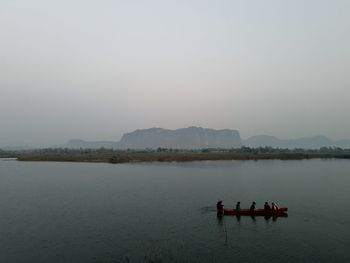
282,212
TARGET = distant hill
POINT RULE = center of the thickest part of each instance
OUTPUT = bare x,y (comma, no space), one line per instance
344,143
314,142
186,138
77,144
16,148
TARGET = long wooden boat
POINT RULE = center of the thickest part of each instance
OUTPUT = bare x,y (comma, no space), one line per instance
282,211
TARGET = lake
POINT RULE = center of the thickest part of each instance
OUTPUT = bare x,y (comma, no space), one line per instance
165,212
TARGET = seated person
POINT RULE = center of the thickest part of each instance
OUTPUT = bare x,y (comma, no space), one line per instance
238,206
274,207
252,207
267,207
219,206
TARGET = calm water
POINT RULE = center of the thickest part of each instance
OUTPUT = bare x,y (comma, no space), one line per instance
72,212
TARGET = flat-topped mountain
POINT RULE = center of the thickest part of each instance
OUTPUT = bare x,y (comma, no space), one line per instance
186,138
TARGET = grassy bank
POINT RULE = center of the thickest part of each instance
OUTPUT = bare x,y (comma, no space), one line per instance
169,155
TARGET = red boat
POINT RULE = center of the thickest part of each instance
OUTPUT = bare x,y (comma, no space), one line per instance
282,211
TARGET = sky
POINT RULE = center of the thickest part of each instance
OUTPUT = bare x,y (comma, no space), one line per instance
97,69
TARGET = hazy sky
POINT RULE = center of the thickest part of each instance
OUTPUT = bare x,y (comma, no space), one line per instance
96,69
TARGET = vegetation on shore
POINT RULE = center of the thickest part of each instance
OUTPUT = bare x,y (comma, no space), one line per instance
8,154
173,155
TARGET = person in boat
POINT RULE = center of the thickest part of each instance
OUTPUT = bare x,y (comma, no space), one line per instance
219,206
267,206
274,207
238,206
252,207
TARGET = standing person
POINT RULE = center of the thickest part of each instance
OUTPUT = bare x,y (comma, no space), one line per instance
267,207
238,206
252,207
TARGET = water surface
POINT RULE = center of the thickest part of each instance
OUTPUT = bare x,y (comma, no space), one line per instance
84,212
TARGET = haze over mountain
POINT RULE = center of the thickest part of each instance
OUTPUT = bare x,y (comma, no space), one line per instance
92,69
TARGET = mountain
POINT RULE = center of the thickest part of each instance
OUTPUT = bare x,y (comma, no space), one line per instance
314,142
186,138
262,141
77,144
17,148
344,143
198,138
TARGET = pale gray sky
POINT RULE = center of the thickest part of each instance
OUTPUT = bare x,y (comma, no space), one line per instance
96,69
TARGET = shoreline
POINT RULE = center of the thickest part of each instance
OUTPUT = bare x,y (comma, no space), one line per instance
173,157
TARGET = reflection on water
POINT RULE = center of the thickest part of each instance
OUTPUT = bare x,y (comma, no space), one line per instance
71,212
